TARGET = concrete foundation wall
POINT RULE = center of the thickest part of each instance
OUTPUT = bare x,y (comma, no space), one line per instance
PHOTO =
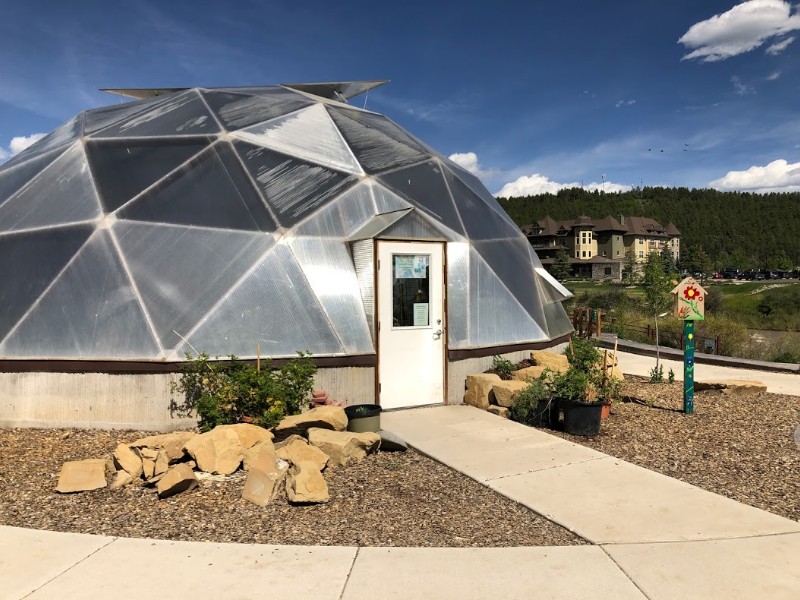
457,371
131,401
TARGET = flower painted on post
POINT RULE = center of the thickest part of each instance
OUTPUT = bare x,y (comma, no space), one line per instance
692,293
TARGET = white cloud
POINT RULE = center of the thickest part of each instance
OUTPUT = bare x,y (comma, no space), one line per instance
530,185
741,88
467,160
779,47
773,76
777,176
19,143
743,28
625,103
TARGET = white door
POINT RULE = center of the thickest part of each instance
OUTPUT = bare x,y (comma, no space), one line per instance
411,328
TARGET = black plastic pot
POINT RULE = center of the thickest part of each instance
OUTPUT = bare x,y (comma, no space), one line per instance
546,414
363,417
582,419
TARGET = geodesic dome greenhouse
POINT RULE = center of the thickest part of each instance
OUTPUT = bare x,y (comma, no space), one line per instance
226,220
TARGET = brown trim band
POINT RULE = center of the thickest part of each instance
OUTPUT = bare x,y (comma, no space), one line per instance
137,367
493,350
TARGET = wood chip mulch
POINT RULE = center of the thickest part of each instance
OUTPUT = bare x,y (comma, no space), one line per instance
388,499
740,445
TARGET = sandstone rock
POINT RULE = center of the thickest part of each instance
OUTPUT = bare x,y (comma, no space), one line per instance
344,446
127,459
550,360
500,411
731,386
148,453
121,479
261,456
391,442
162,463
286,441
82,476
179,478
478,388
528,373
300,451
172,443
505,392
148,468
261,487
322,417
216,451
249,435
305,484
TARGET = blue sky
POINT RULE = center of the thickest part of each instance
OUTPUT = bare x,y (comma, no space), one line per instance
531,96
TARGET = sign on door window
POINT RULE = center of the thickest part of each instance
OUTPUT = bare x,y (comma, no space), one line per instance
410,290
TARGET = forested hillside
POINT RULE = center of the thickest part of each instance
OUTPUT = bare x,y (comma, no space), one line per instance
734,228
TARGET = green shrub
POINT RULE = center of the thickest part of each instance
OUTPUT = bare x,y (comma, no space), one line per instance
223,393
503,367
582,354
525,408
573,385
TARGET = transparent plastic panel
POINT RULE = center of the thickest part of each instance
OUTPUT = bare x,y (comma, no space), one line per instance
558,323
63,194
458,295
28,264
181,114
364,260
201,193
480,221
13,178
309,134
496,316
273,308
557,291
383,124
238,109
329,269
374,149
412,227
293,188
182,272
96,119
510,260
326,222
61,136
125,168
479,189
386,200
342,217
424,186
90,312
377,224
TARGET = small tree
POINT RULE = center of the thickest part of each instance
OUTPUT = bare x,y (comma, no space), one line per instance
561,265
629,268
657,287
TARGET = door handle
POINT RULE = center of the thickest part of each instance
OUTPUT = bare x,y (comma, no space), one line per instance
437,334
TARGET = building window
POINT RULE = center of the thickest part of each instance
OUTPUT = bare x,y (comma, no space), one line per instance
619,238
604,252
641,254
584,254
608,271
641,240
617,252
590,254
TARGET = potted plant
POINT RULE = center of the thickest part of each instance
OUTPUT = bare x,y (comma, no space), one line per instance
363,417
535,406
578,399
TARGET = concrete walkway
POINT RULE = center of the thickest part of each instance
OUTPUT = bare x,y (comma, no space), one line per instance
653,537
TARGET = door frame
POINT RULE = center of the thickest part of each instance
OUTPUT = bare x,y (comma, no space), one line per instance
376,314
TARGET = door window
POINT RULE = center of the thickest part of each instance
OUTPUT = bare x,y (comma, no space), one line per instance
410,290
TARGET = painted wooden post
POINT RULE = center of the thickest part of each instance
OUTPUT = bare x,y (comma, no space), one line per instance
689,306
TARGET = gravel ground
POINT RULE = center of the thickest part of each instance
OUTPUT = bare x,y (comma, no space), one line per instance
739,446
388,499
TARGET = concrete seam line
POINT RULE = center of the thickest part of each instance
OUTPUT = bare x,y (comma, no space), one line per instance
349,572
755,536
67,570
577,462
619,566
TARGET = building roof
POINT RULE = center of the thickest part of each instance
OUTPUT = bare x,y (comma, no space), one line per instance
639,226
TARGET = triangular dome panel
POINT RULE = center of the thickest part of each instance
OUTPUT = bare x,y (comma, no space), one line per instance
386,200
273,308
29,262
61,136
309,134
423,185
37,204
293,188
180,114
329,269
15,177
375,150
480,190
99,118
343,216
142,161
203,194
91,310
239,108
182,272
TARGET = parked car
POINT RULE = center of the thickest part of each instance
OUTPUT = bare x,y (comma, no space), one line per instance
755,275
731,273
717,276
